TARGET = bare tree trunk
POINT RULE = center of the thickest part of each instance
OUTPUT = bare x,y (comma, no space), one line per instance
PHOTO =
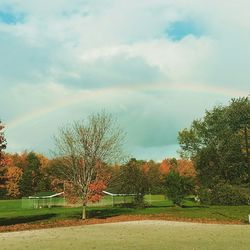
84,212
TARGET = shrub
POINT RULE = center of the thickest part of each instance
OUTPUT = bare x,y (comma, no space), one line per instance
204,195
177,187
225,194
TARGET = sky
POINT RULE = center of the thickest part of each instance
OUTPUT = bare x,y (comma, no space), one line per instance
156,65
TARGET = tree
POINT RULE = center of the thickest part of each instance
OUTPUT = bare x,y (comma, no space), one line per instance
3,145
165,167
154,177
13,175
31,177
186,168
178,186
218,144
56,178
239,117
83,148
133,180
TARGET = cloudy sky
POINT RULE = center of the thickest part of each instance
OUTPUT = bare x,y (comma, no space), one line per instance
155,64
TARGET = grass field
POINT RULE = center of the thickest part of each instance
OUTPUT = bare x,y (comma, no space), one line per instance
133,235
11,211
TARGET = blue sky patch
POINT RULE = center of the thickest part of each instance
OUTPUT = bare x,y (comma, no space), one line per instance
181,29
9,17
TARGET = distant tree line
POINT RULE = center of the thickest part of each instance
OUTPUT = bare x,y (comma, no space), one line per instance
28,173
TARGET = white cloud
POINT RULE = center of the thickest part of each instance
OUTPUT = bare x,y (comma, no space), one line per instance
69,58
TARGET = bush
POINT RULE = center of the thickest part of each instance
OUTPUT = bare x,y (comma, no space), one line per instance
204,195
178,187
225,194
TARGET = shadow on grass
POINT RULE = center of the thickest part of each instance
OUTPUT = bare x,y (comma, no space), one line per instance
107,213
158,206
23,219
194,206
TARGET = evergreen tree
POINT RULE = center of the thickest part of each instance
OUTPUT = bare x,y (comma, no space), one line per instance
32,176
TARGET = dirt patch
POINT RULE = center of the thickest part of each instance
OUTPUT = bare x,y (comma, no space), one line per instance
121,218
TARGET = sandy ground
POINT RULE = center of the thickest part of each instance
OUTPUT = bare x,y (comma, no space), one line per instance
132,235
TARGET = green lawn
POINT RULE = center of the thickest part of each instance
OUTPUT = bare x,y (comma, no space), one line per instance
11,211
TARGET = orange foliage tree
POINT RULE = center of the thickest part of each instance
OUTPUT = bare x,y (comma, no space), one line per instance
181,166
13,176
186,168
165,167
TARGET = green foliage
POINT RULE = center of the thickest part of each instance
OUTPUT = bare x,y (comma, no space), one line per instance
43,184
153,176
204,195
31,181
177,187
149,171
225,194
132,180
218,144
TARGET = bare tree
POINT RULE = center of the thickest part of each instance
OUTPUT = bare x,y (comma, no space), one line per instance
84,146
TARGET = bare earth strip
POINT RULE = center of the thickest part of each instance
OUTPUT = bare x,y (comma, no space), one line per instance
133,235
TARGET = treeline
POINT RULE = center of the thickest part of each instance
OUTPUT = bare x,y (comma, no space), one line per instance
29,173
26,174
139,177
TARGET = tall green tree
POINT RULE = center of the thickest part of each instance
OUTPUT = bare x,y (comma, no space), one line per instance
239,119
178,186
31,178
218,144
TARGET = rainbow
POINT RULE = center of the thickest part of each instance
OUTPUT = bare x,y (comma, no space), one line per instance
82,96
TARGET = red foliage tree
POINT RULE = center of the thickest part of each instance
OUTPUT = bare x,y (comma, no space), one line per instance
13,177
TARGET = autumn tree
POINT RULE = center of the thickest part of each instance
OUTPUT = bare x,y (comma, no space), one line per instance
13,176
83,147
55,175
165,167
186,168
2,161
20,160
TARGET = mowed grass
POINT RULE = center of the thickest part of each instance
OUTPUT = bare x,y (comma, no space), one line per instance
133,235
11,211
